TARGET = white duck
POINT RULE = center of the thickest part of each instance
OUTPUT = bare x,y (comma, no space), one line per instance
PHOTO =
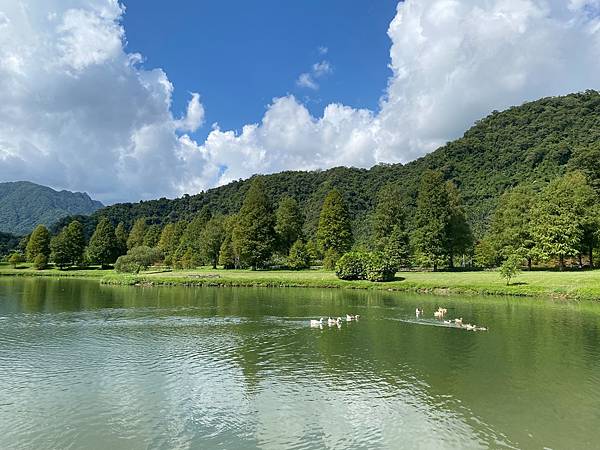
316,323
350,317
458,321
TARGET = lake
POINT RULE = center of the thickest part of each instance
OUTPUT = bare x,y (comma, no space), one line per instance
89,366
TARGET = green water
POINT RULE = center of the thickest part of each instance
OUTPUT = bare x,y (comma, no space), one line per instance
101,367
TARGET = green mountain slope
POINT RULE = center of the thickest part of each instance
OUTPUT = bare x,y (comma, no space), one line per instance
532,143
23,205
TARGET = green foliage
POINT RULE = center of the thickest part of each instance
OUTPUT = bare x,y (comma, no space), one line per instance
137,233
378,268
152,236
365,266
486,255
103,247
388,216
459,239
330,259
227,257
211,239
288,226
138,258
68,246
432,218
40,262
169,241
299,257
560,216
352,266
190,245
38,243
8,243
15,259
335,230
121,235
23,205
510,268
254,234
397,248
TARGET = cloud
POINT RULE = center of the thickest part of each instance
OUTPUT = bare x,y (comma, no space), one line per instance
322,50
318,70
78,111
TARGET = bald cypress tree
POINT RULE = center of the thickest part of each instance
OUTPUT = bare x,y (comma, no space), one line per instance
137,233
254,233
38,243
335,231
103,247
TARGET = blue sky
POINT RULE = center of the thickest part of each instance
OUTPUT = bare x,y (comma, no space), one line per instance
239,55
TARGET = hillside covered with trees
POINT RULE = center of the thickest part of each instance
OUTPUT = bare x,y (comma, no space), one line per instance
530,144
23,205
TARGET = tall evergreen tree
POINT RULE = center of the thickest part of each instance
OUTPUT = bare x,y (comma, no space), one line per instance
76,242
190,245
254,233
38,243
170,238
459,239
59,247
334,232
211,240
121,235
227,256
152,236
511,229
103,247
388,224
289,221
137,233
560,216
432,218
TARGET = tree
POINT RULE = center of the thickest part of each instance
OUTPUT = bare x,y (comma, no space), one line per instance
152,235
190,244
387,216
40,262
103,247
169,241
397,248
289,221
560,216
298,257
138,258
227,254
510,268
38,243
485,254
511,228
432,219
121,235
59,247
459,239
334,233
76,241
254,233
211,240
137,233
15,259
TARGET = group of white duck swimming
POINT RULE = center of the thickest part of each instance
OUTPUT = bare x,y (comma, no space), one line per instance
458,323
332,322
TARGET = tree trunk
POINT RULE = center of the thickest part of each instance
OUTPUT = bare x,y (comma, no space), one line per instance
591,256
451,261
435,267
580,261
561,263
529,264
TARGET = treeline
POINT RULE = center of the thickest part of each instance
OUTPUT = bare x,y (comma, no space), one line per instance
535,223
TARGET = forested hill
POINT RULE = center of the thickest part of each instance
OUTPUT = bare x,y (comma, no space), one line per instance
23,205
532,143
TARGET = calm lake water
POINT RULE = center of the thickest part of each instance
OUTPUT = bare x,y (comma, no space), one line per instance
90,366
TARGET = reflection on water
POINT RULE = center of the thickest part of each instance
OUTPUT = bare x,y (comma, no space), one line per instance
84,365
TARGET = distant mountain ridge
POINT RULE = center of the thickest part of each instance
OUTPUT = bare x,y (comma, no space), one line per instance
23,205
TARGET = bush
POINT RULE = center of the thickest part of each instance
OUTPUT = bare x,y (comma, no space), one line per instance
379,268
15,259
298,257
511,268
330,259
352,266
40,262
137,258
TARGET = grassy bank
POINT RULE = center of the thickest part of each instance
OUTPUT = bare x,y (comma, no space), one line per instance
571,285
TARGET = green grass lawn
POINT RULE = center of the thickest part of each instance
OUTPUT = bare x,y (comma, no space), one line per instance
570,284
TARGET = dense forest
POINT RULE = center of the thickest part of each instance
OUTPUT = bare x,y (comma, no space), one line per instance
23,205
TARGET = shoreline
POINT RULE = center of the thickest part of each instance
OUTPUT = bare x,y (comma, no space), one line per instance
551,285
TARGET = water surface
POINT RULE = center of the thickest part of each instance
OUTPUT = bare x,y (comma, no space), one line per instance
90,366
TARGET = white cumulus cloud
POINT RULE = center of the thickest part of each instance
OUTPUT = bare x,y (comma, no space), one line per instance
78,111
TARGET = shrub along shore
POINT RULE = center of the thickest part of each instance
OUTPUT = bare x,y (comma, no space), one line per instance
576,285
